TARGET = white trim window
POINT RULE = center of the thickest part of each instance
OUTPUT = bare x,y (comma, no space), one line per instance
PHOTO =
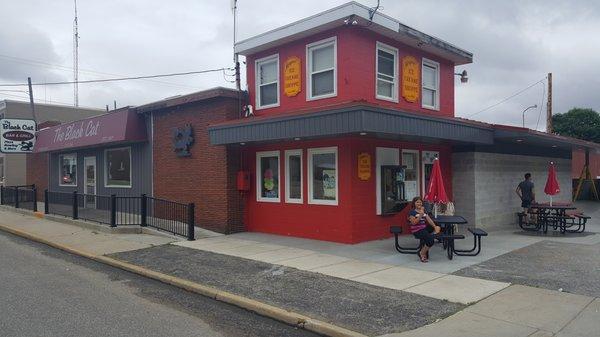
117,167
293,176
430,79
267,82
321,69
386,68
410,161
323,176
67,170
267,176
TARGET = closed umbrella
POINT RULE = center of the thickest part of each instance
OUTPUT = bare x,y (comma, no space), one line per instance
436,191
552,187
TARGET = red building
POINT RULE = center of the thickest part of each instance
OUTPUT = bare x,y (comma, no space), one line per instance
350,109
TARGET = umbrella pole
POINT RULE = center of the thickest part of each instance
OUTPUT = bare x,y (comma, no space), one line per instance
434,210
550,201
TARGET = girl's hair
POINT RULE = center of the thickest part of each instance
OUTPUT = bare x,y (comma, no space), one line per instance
415,199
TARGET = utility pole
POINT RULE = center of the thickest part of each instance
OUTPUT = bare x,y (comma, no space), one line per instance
549,128
31,99
75,59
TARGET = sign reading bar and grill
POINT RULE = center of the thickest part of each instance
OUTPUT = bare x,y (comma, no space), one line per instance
410,79
17,135
291,76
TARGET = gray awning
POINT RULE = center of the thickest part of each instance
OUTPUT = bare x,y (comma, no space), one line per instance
353,120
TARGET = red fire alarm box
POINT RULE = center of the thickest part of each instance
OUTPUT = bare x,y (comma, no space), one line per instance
243,181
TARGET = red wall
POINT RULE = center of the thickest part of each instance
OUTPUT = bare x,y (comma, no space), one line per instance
354,219
356,48
579,161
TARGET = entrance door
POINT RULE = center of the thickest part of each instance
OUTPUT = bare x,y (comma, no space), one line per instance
89,178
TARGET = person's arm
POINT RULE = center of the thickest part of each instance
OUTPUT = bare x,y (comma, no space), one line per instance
518,191
532,193
413,220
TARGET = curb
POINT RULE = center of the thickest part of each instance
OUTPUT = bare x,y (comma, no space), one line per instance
263,309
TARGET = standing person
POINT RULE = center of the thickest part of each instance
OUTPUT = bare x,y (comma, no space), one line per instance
525,192
422,227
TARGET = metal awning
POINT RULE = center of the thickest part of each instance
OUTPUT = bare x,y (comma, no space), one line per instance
381,122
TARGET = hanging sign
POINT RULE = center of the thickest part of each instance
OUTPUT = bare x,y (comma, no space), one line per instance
411,84
364,166
17,135
291,76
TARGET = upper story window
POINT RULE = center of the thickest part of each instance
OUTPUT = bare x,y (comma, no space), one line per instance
322,69
267,82
431,84
387,72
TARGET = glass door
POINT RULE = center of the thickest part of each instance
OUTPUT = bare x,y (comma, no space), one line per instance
89,187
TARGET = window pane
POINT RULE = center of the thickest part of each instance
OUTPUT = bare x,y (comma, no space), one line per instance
118,170
385,63
323,58
268,94
324,176
269,177
322,83
411,175
429,76
385,88
68,170
294,176
428,97
268,72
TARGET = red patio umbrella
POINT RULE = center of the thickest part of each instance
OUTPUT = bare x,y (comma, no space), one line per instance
552,187
436,191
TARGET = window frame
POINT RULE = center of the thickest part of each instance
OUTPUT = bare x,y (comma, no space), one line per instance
288,199
264,154
437,155
257,84
309,62
323,150
432,64
105,168
73,154
394,51
417,157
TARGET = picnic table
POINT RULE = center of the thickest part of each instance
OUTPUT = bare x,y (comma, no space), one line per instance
447,222
557,216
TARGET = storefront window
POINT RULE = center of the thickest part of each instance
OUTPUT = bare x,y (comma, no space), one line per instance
410,161
293,173
68,169
267,176
118,167
323,176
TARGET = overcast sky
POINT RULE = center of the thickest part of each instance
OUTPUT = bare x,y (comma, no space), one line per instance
515,44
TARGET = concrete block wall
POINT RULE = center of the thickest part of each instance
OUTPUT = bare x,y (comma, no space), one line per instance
485,189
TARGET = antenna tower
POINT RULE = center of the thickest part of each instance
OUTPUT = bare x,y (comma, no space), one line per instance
75,59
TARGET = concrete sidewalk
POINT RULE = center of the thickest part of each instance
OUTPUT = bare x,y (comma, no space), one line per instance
357,294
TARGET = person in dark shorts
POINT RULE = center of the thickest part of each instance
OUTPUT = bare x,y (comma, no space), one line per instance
526,194
422,227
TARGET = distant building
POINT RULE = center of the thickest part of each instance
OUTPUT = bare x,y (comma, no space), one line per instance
13,167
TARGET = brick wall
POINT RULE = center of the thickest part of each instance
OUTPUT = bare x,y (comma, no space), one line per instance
206,178
37,172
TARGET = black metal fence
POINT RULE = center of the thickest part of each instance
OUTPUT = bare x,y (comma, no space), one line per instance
23,196
113,210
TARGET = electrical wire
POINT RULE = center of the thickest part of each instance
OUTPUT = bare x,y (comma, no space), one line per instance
507,98
119,79
26,99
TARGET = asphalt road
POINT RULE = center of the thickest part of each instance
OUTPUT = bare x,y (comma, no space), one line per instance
46,292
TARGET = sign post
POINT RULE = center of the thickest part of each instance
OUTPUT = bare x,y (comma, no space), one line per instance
17,135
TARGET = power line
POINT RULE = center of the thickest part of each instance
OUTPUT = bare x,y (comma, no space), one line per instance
121,78
26,98
541,105
507,98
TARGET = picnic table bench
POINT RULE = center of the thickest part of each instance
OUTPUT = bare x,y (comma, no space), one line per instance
563,217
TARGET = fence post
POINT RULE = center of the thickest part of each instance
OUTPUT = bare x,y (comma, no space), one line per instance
16,197
1,195
34,199
75,206
46,202
113,210
144,210
191,221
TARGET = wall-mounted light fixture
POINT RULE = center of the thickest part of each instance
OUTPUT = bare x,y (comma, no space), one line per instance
464,78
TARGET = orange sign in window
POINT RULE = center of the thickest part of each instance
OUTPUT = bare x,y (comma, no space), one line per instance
411,83
364,166
291,76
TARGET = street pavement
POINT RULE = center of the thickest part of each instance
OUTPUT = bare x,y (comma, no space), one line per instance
46,292
511,288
